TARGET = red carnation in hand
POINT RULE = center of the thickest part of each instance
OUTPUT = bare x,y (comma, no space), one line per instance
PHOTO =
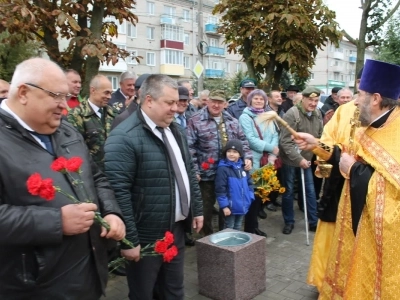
47,190
211,160
34,183
205,166
160,247
168,238
74,164
170,254
59,164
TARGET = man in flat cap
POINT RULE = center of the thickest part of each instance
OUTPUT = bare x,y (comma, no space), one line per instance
208,132
363,255
236,108
291,91
303,117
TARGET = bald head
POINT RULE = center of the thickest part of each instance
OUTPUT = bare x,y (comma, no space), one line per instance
100,90
4,87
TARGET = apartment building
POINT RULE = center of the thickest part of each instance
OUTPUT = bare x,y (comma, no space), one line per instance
336,66
166,40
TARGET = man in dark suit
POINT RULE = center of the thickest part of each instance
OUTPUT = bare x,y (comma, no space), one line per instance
125,95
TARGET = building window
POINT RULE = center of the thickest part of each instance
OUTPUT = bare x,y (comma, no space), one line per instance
114,82
312,76
132,30
212,20
238,67
150,58
227,67
169,10
172,33
336,76
213,42
150,33
130,60
186,62
171,57
186,15
216,65
186,38
150,8
197,17
120,27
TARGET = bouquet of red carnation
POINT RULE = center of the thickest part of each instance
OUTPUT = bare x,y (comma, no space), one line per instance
45,189
206,164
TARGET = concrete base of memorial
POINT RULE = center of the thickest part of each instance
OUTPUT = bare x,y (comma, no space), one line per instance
231,272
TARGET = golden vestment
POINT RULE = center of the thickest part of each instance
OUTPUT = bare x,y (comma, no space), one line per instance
367,266
336,131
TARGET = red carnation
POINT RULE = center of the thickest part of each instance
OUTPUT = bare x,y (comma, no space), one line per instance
205,166
160,247
34,183
211,160
170,254
59,164
47,190
74,164
168,238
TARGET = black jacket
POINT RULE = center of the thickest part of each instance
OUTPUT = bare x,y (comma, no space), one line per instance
37,261
329,104
138,167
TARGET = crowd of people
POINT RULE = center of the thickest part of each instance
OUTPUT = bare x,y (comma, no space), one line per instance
157,159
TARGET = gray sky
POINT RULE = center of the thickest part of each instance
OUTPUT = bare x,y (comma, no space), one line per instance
348,15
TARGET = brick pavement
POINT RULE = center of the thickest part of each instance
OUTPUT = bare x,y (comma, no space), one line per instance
287,262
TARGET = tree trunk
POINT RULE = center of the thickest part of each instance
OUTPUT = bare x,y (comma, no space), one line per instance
93,63
77,61
361,42
269,73
277,77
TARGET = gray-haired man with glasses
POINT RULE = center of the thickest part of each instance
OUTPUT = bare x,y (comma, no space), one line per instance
49,249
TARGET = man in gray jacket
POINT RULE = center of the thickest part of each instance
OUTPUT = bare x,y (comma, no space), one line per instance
303,117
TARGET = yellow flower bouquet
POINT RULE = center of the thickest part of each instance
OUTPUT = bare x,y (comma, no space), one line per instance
265,182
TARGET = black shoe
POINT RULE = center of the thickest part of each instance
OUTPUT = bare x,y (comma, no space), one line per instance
259,232
271,207
262,214
189,241
288,229
312,228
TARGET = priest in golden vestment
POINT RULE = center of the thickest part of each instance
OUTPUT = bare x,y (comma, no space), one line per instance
363,261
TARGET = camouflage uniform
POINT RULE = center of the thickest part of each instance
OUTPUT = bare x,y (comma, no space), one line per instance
205,144
93,129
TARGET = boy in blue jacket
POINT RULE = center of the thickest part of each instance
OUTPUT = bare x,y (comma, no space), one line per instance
233,185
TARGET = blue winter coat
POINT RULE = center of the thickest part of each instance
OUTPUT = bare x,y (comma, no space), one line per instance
269,141
233,187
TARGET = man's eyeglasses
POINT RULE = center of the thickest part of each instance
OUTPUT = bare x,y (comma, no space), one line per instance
58,97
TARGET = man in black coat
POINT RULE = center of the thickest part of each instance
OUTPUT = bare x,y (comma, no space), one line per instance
125,95
49,249
151,170
291,91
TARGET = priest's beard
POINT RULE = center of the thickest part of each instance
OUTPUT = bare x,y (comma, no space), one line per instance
365,112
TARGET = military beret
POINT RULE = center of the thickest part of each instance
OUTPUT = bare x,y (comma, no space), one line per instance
217,95
311,92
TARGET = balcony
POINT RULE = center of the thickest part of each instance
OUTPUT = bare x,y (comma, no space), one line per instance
339,69
353,59
338,55
213,73
215,51
171,20
172,70
211,29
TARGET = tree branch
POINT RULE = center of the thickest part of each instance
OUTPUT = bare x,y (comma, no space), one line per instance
372,43
390,14
351,40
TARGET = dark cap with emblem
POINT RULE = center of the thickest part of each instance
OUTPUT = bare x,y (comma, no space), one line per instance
311,92
382,78
294,88
248,83
183,93
235,145
139,81
217,95
336,89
